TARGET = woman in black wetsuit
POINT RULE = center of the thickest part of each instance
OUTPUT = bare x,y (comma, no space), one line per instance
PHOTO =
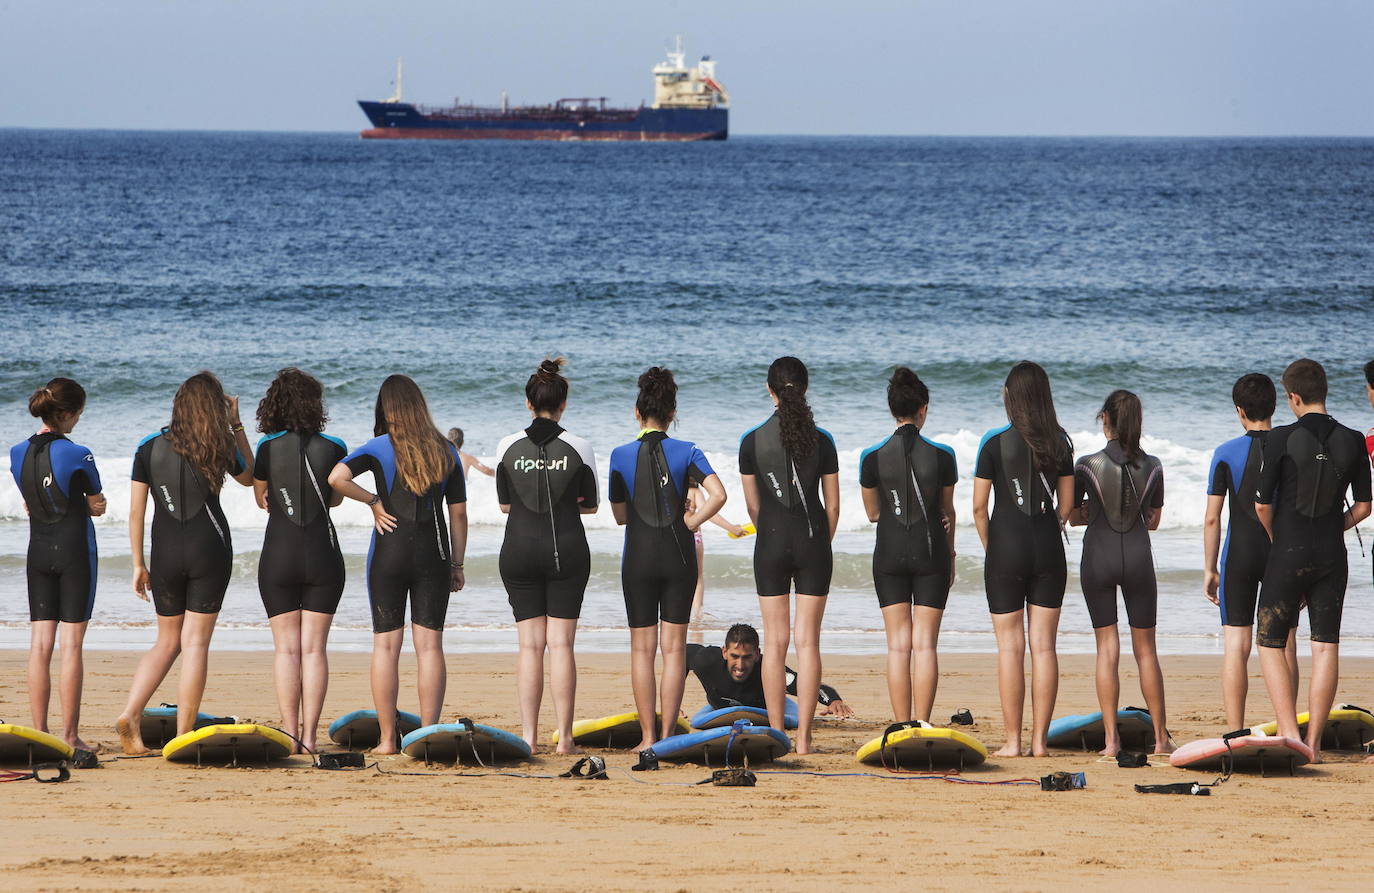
1029,463
789,472
183,466
301,571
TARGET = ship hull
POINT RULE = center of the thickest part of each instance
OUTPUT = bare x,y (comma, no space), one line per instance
403,121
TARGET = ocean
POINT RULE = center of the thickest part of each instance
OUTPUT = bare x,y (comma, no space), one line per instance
130,260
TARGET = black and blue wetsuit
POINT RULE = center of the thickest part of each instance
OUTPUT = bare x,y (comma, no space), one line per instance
793,542
1234,475
301,567
1116,545
658,567
1025,557
413,560
55,476
547,477
911,561
192,551
1308,467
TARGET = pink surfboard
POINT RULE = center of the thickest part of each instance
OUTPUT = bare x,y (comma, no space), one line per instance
1248,753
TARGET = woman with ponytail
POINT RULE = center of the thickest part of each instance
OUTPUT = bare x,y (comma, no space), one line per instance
649,478
62,492
1029,463
789,472
908,489
419,537
184,466
546,482
1120,497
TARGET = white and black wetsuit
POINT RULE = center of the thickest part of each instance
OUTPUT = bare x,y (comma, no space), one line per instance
546,476
1116,545
708,663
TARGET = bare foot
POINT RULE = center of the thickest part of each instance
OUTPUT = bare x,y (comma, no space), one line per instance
1009,750
1316,758
309,745
75,741
1039,750
804,747
1369,760
384,750
567,748
130,739
644,744
1111,750
1167,747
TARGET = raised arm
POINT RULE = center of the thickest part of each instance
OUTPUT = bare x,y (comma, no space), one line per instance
705,509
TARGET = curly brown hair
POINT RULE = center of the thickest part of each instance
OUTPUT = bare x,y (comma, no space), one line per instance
294,402
199,430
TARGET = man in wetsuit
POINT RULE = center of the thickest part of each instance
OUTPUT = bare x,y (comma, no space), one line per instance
1300,500
730,675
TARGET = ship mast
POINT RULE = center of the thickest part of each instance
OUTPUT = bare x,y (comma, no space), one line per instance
396,97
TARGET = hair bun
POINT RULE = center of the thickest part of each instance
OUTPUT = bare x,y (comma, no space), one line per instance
550,368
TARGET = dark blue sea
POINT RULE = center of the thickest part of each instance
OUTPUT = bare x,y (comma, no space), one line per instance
130,260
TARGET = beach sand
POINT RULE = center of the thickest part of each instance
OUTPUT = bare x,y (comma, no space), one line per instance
144,824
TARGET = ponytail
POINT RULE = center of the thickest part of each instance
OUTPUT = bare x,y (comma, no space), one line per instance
787,378
61,396
657,398
547,389
907,395
1123,413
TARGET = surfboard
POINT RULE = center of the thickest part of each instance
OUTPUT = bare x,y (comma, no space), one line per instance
1248,753
229,744
1084,730
725,746
23,746
924,749
710,718
359,730
158,725
618,731
1347,728
464,743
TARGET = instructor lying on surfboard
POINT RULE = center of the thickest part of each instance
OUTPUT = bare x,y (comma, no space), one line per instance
730,675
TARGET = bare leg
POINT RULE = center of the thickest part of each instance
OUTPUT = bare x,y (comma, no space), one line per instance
529,676
431,681
286,667
806,637
563,679
1278,679
673,641
1044,631
314,672
897,624
1011,676
152,669
1235,675
1152,684
1109,684
643,650
1290,657
73,671
699,597
926,633
42,638
1321,692
386,684
777,631
195,660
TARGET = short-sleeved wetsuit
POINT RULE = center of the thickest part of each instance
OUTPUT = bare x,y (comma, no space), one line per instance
301,567
414,559
546,476
192,551
1116,545
55,476
658,567
1025,555
1308,467
911,552
708,662
1234,474
793,541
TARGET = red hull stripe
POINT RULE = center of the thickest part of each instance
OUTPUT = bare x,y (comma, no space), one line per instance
438,133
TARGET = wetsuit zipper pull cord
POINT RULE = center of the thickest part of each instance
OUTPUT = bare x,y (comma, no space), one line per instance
548,494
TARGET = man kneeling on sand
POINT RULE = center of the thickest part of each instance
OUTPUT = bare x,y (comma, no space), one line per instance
730,675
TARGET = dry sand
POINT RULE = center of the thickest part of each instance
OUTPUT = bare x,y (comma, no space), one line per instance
145,824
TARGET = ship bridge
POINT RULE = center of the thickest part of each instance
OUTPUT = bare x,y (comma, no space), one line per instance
678,87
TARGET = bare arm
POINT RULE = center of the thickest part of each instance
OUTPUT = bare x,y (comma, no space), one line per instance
749,485
1153,517
1358,512
95,504
705,509
341,479
1211,548
873,503
260,493
982,489
138,509
830,492
947,506
458,540
1066,505
245,476
1265,513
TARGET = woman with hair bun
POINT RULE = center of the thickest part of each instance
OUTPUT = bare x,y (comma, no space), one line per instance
61,489
184,466
649,478
789,472
908,489
301,571
1120,497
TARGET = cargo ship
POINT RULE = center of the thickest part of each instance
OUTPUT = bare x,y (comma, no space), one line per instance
689,104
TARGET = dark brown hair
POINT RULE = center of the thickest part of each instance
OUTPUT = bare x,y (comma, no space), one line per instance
788,379
455,437
742,634
1123,413
294,402
1030,409
906,393
1307,379
199,430
547,389
1254,393
423,456
657,398
60,396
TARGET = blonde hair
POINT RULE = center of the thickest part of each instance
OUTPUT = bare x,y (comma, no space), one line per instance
423,456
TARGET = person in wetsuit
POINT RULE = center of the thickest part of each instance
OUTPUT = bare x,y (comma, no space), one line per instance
545,482
784,465
1300,499
729,674
61,489
1029,463
419,538
1119,494
1369,448
908,489
301,569
1233,570
183,466
658,570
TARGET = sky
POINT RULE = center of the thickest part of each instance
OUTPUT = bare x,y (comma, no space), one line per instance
938,67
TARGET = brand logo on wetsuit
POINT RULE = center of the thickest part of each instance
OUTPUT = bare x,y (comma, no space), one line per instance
286,501
1020,496
167,497
47,481
777,488
896,503
524,463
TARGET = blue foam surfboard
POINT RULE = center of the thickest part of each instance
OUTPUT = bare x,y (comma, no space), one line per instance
360,728
709,717
469,743
725,745
1084,730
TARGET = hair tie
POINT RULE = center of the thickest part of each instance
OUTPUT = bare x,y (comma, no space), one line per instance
47,390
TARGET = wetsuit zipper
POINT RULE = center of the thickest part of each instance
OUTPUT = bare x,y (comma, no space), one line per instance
548,494
796,482
661,503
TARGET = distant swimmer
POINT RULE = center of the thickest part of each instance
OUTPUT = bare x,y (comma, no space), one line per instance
1300,499
730,676
455,437
789,471
1119,494
61,489
546,482
1233,570
419,538
908,489
1029,464
658,570
301,570
183,466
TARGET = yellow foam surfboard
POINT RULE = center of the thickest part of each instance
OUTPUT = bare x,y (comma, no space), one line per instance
924,748
620,730
230,743
1347,728
23,746
748,528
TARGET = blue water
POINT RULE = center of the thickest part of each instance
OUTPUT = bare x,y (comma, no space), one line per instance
131,260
